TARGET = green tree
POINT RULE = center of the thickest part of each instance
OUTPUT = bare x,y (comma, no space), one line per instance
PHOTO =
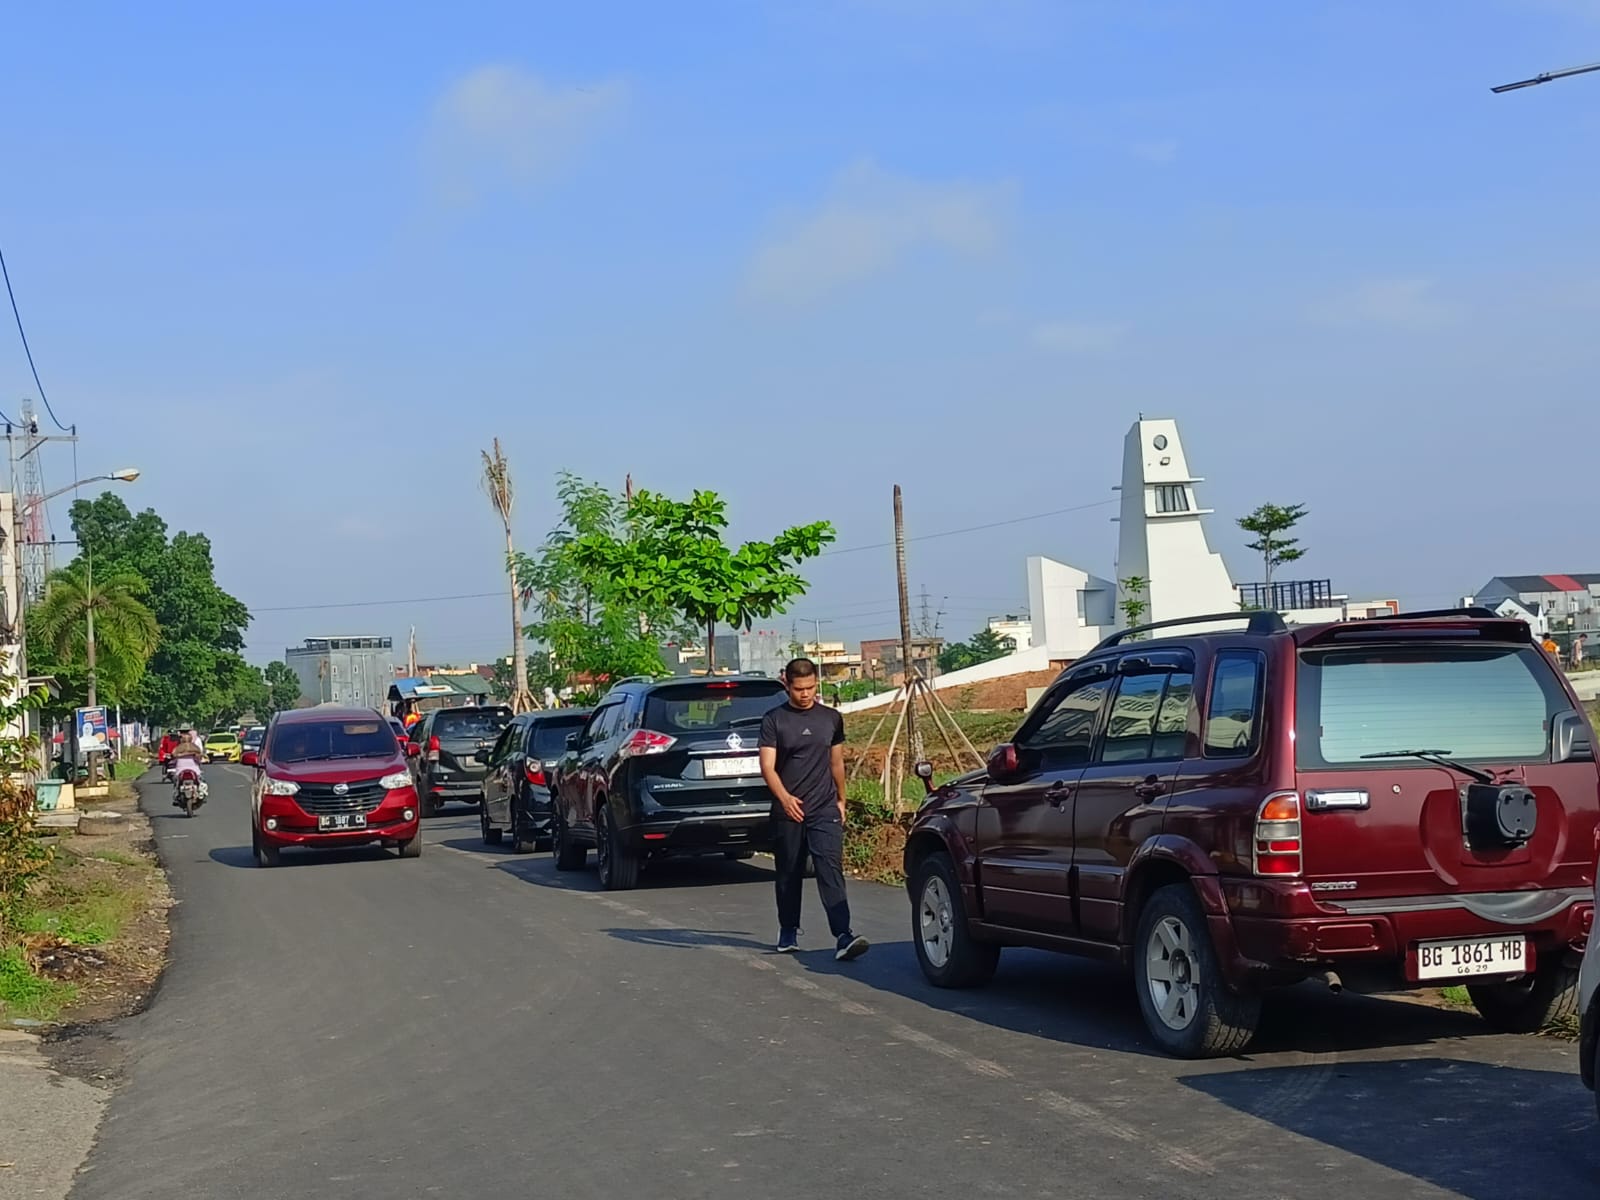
1271,524
984,646
673,557
197,672
283,689
585,631
23,856
126,633
1133,604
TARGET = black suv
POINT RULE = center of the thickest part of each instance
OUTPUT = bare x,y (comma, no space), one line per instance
665,768
516,790
455,745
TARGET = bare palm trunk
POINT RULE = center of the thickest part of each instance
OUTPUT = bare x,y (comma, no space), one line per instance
522,696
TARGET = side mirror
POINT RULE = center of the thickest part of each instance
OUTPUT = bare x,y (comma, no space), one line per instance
1002,761
249,758
924,772
572,741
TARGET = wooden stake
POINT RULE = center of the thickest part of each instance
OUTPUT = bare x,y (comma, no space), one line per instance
905,613
855,767
894,740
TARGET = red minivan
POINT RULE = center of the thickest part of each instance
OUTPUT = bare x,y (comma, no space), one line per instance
329,777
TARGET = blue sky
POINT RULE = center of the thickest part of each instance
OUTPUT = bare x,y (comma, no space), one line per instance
301,264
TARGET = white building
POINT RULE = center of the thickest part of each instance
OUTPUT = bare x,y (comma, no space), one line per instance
1018,629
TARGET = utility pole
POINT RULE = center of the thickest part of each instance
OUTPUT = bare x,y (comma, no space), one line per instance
411,655
905,615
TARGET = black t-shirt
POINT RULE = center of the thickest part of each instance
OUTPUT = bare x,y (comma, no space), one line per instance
804,739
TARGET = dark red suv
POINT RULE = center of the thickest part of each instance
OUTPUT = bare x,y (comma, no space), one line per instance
1381,804
331,776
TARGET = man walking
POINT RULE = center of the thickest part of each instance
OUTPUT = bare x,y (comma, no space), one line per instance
802,760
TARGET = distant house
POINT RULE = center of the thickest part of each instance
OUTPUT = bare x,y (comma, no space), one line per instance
1565,603
880,658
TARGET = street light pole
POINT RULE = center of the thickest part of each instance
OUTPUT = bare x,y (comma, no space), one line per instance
1545,77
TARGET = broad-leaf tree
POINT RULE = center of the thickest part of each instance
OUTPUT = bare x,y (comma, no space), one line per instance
1271,523
586,635
283,689
984,646
673,557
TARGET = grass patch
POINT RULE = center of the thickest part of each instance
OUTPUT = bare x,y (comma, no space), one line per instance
1456,994
80,910
24,994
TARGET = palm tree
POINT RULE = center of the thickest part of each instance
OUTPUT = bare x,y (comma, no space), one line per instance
125,634
497,483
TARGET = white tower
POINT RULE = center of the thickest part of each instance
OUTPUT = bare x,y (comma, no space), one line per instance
1162,539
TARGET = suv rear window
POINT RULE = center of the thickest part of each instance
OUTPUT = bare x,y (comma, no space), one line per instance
550,737
1473,703
695,708
475,723
303,741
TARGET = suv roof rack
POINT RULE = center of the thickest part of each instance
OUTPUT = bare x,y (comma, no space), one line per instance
1476,611
1260,622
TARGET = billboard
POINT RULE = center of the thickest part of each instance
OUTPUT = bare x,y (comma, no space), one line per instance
93,734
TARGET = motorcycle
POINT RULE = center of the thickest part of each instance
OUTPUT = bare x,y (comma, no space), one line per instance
188,791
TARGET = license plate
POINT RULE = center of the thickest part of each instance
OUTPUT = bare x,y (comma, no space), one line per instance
343,821
1472,956
726,768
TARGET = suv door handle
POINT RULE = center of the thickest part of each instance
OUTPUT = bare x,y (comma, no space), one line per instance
1148,789
1058,793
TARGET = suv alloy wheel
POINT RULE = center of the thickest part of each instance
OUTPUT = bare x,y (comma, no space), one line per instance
1186,1003
569,857
946,950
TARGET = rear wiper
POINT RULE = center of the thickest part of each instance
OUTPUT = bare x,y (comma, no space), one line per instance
1439,758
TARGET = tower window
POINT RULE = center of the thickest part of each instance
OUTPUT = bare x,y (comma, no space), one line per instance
1172,498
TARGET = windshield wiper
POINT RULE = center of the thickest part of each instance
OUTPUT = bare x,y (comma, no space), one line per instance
1439,758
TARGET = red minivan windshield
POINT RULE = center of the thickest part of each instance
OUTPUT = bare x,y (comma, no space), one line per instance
1477,704
304,741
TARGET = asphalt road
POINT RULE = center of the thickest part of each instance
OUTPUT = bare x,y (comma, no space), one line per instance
474,1024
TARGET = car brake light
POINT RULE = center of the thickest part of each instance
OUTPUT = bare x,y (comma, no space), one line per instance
433,749
1277,836
722,685
535,774
645,741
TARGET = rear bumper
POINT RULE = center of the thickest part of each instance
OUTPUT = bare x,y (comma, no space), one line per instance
452,788
1280,930
701,832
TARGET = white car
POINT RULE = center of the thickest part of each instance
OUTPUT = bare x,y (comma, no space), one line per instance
1589,1003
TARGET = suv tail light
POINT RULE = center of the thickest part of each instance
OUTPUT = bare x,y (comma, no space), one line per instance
1277,836
433,749
534,773
644,741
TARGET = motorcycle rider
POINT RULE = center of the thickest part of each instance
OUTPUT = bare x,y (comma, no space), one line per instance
187,755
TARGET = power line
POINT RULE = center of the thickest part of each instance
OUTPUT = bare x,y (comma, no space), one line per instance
25,348
846,550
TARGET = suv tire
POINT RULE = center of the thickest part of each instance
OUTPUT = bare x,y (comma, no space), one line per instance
1532,1003
568,856
1191,1012
411,848
266,856
949,955
492,834
618,865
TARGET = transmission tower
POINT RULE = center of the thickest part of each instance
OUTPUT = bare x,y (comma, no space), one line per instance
34,561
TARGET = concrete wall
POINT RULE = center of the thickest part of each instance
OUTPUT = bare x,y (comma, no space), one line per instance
1036,659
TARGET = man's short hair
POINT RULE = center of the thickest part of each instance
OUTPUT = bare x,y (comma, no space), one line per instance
799,668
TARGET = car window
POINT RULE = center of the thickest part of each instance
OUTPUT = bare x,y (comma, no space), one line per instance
1132,723
470,724
603,723
1067,732
302,741
502,746
714,705
1483,704
1233,712
1172,719
547,739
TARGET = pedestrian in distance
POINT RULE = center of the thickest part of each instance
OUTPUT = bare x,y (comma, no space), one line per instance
802,760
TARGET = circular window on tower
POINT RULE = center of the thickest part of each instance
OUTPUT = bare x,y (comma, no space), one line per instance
1161,441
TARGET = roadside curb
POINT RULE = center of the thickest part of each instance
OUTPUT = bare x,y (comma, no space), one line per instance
48,1120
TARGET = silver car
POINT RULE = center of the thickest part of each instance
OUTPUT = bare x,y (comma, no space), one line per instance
1589,1004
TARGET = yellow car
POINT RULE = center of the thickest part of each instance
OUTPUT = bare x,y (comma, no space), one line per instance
223,747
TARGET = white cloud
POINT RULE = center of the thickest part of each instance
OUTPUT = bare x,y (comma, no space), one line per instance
871,220
1404,303
499,124
1079,337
